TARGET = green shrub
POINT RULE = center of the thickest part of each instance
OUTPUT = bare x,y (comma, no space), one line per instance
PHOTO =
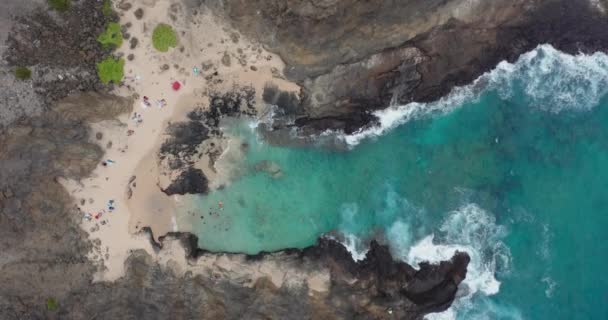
112,36
111,69
106,9
23,73
163,37
51,304
60,5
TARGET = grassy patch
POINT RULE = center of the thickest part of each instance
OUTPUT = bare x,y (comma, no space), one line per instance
163,37
23,73
60,5
112,36
111,69
106,9
51,304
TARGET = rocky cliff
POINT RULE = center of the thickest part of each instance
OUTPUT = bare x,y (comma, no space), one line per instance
352,57
45,269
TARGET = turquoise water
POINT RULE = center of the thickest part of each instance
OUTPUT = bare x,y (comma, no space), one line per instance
512,169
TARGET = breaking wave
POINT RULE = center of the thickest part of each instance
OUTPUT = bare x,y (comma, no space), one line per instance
353,243
544,78
472,230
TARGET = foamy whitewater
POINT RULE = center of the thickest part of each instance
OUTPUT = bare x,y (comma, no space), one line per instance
472,230
551,80
512,169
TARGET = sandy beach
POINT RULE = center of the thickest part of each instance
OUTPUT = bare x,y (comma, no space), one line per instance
112,215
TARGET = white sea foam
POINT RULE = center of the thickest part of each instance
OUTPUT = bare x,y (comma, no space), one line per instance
355,247
267,116
551,284
352,243
544,78
469,229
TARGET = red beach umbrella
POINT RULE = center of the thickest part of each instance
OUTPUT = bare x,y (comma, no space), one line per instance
176,85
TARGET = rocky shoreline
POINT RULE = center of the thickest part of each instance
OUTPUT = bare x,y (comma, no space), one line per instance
404,58
44,251
182,149
377,285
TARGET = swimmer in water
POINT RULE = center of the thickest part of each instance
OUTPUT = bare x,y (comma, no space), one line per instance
221,205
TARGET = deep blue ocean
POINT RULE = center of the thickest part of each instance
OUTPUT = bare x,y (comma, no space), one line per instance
512,169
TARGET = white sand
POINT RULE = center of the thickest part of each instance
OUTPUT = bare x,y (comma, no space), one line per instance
204,40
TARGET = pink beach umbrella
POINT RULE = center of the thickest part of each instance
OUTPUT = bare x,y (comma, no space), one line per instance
176,85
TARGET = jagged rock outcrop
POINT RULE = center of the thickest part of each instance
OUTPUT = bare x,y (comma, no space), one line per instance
382,284
352,57
377,287
184,147
190,180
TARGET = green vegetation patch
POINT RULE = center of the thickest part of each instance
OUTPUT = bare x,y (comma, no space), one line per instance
51,304
60,5
106,9
163,37
23,73
112,36
111,69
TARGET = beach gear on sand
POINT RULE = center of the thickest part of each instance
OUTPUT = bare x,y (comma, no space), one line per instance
161,103
176,85
146,102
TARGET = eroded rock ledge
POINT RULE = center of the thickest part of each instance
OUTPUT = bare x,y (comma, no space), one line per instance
353,57
377,287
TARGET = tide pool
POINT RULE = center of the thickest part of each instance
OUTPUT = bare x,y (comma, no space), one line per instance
512,169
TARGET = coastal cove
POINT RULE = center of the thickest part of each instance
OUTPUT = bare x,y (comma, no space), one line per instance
503,169
288,159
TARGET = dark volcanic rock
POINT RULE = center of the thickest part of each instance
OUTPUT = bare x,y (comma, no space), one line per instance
139,13
231,103
287,102
183,147
185,137
352,57
64,48
125,6
190,180
367,289
133,43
